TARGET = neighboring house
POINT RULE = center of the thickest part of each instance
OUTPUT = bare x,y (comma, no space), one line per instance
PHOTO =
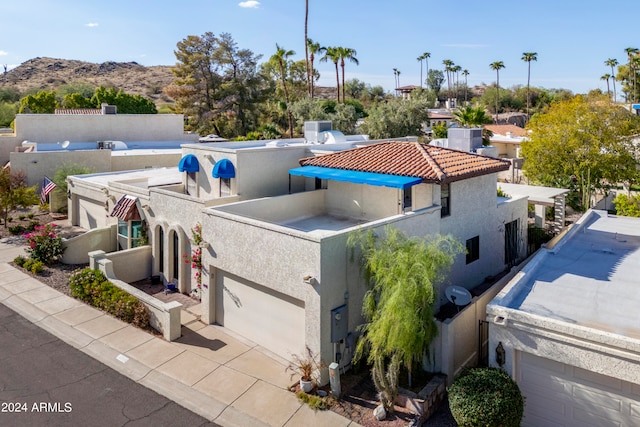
567,326
507,140
97,138
405,91
276,266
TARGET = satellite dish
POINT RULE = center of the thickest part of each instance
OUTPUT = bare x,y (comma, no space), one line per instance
458,295
66,144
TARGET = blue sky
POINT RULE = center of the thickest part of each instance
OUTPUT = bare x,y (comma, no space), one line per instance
572,39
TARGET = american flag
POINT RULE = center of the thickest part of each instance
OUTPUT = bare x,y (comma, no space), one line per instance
47,187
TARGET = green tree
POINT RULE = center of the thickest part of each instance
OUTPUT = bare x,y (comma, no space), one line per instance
612,62
14,192
528,57
125,103
632,52
332,53
587,139
402,274
77,100
606,78
68,169
627,205
43,102
7,113
281,57
397,117
497,66
435,78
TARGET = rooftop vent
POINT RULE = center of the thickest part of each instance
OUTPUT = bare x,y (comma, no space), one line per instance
313,129
109,109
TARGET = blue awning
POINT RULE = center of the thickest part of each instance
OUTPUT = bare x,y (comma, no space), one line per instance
369,178
223,169
189,163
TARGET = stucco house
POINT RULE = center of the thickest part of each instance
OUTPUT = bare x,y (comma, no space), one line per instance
566,327
275,219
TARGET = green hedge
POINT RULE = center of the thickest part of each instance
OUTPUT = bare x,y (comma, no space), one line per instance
92,287
486,397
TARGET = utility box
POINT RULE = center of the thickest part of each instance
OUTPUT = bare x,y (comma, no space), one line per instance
334,379
339,323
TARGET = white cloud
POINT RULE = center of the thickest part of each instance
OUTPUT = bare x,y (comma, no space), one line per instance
250,4
91,24
3,53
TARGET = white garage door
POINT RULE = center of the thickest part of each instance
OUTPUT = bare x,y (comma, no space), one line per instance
268,318
558,394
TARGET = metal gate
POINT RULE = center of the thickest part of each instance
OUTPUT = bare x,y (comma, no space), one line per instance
483,343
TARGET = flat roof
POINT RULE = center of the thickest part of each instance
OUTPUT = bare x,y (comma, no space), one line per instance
589,278
536,194
154,177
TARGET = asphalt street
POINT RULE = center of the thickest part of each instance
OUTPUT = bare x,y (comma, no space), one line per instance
44,381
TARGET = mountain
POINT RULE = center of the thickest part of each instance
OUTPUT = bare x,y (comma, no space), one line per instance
50,73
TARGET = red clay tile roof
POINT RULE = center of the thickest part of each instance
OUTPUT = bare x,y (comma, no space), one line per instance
503,129
432,164
78,111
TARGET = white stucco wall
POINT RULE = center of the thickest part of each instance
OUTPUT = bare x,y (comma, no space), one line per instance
49,128
362,201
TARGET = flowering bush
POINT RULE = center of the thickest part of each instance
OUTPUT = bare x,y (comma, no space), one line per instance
195,259
44,244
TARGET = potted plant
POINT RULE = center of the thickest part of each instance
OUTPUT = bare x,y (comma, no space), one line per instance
307,367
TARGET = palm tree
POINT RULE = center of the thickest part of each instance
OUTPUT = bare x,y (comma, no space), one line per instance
448,64
306,47
280,57
465,73
395,80
420,58
332,54
631,52
528,57
426,57
607,77
474,117
313,49
611,62
497,66
349,54
456,69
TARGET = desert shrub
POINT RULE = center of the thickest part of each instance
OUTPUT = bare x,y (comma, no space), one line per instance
627,205
30,215
92,287
32,225
44,244
19,260
9,219
16,229
21,217
486,397
33,265
314,402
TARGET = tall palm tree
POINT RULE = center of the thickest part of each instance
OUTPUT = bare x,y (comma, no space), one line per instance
607,77
395,80
420,58
465,73
306,47
331,53
456,69
497,66
280,57
612,62
631,52
448,64
313,49
528,57
426,57
350,55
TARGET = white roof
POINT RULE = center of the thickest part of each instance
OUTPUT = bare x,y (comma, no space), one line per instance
154,177
589,279
536,194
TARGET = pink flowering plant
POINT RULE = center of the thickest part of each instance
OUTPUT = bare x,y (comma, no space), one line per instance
195,258
44,244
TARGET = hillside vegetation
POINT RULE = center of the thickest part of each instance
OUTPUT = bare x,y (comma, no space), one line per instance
50,73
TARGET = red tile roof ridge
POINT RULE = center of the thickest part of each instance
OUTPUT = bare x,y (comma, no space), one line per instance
432,162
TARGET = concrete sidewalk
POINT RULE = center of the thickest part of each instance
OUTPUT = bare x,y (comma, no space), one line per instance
221,377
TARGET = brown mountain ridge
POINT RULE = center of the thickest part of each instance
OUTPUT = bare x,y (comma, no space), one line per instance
50,73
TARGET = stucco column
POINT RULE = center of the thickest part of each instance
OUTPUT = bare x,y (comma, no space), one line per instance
540,211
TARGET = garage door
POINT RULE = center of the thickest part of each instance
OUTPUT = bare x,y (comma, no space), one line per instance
563,395
268,318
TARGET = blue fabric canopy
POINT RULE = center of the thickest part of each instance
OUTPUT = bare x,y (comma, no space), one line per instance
356,177
223,169
189,163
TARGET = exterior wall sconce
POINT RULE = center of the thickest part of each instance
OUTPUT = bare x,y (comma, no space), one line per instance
309,280
500,354
204,245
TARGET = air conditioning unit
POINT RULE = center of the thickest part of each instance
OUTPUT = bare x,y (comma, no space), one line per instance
313,129
109,109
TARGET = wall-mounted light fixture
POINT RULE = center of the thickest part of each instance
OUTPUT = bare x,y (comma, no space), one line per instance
309,280
500,354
